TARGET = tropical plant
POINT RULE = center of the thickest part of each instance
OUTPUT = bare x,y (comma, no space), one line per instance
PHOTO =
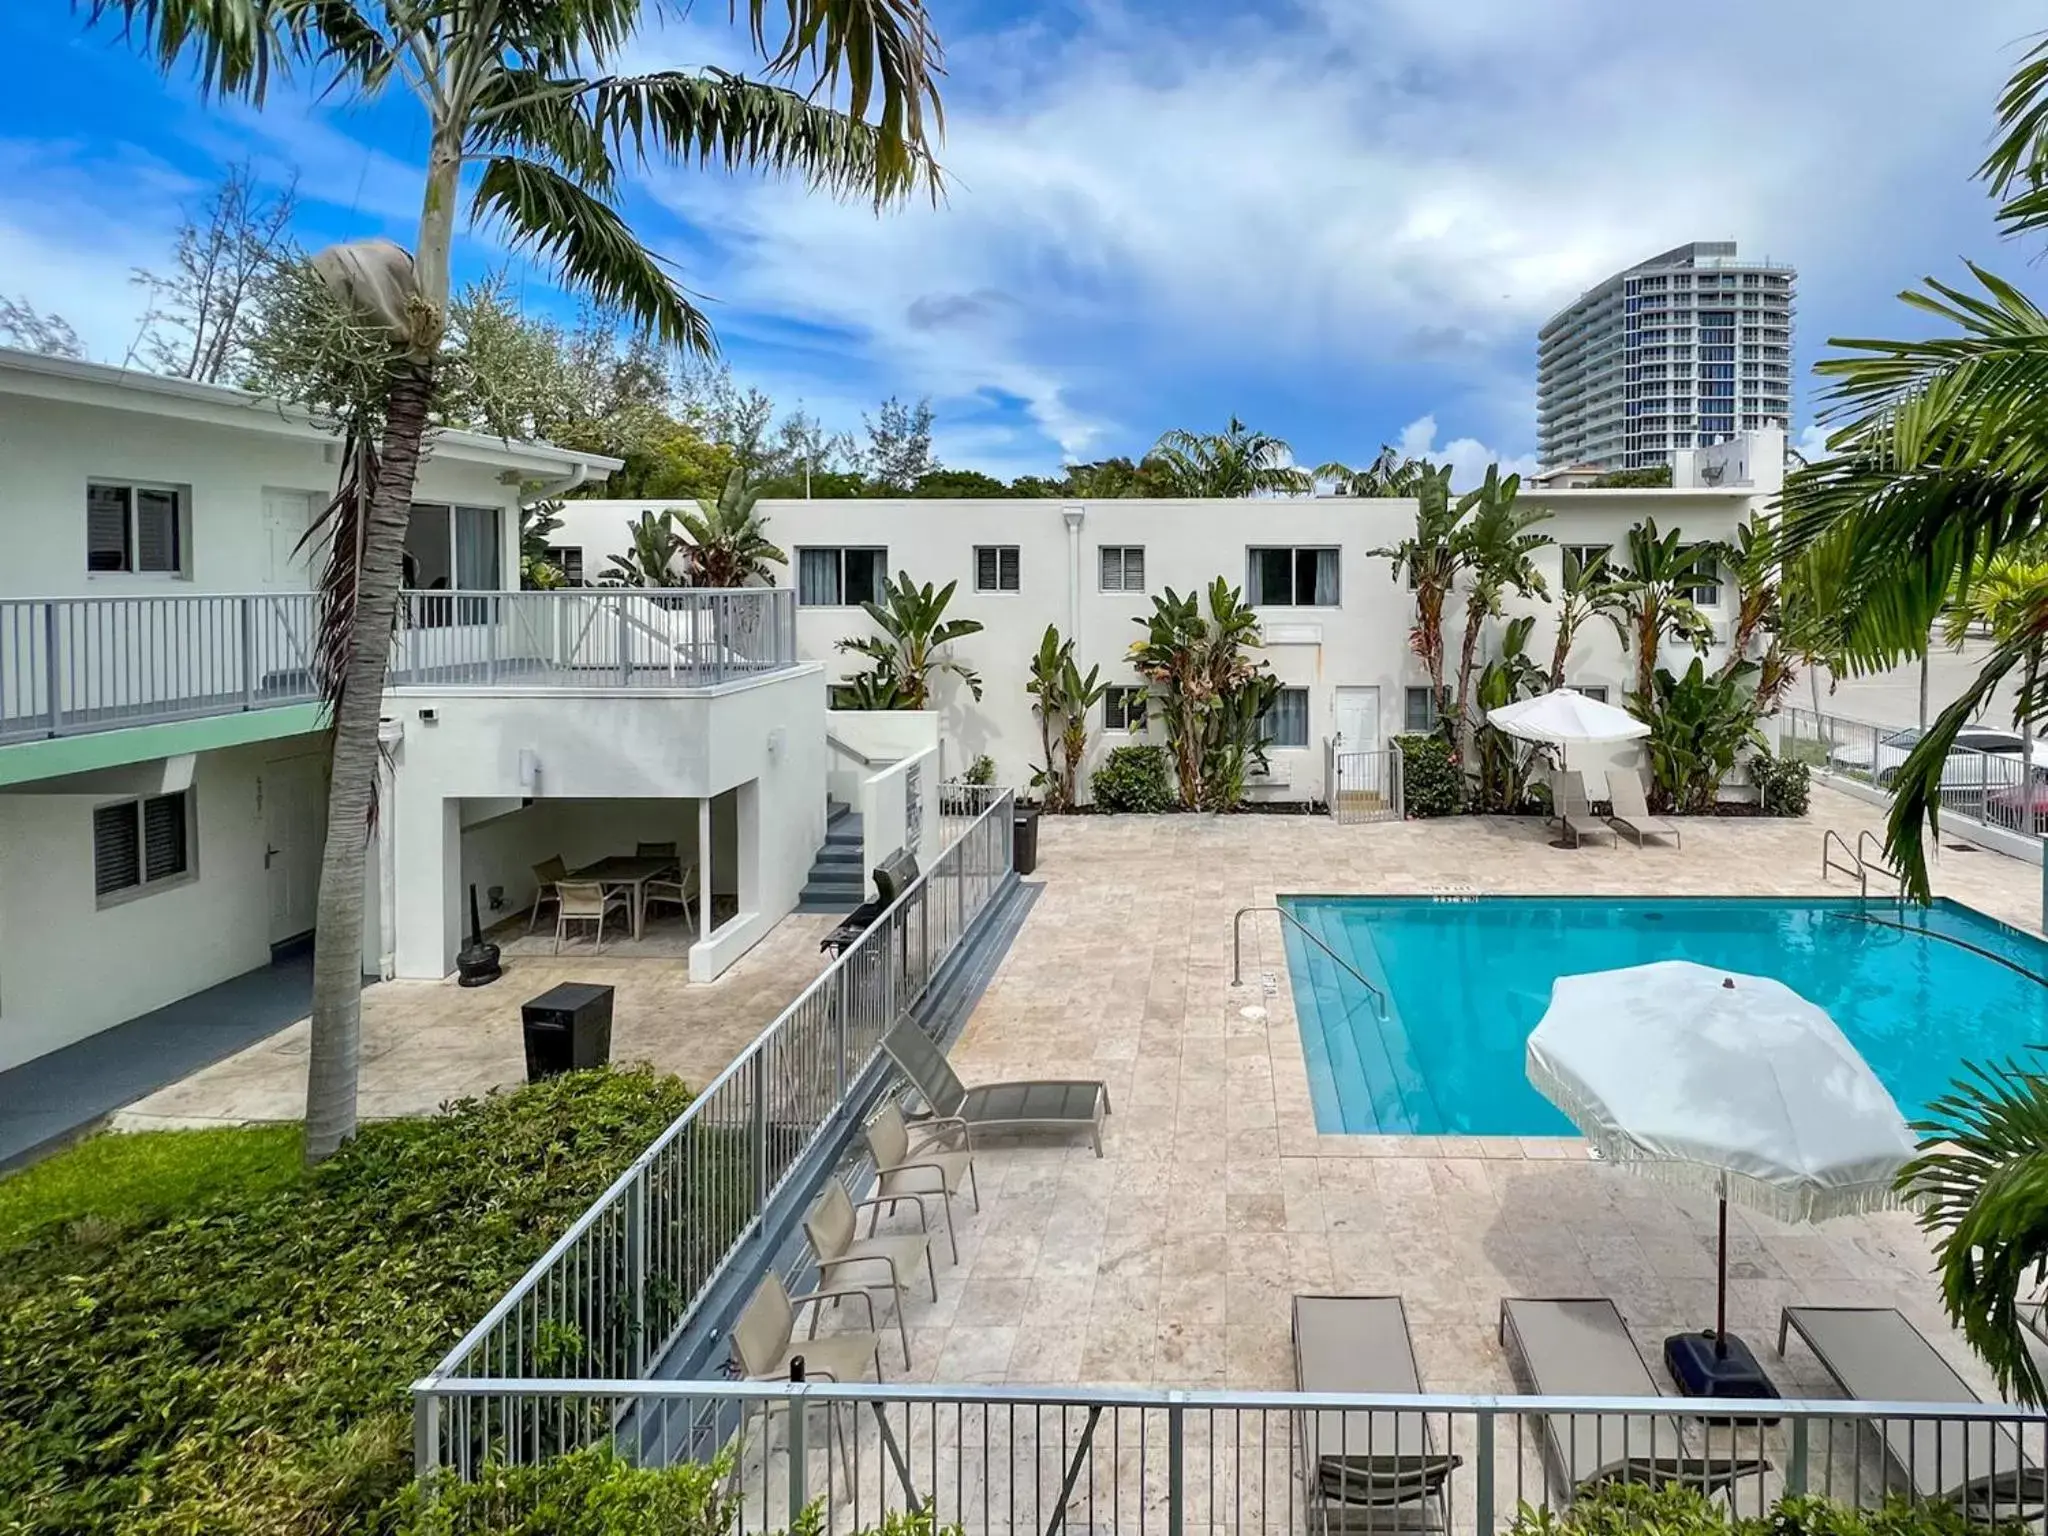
1700,725
1758,635
1432,784
1644,1508
1586,591
727,546
980,772
1389,474
1656,592
1047,676
1499,551
877,688
1137,778
1237,741
1078,695
1505,763
653,548
914,639
1198,662
536,571
1784,785
1234,462
523,108
1431,559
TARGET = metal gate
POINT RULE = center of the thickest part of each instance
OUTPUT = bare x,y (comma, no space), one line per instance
1364,786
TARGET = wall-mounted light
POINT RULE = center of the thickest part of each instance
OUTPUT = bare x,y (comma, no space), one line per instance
776,740
529,769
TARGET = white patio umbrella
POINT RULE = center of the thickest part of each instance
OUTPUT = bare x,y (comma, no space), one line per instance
1731,1084
1565,716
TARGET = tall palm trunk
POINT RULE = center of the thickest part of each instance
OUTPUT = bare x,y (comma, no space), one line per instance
1429,638
1468,655
1649,627
338,937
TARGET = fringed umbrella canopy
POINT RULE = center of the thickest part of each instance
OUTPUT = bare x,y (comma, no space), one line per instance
1564,716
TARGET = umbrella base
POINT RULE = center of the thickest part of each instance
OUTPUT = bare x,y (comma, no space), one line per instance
1703,1370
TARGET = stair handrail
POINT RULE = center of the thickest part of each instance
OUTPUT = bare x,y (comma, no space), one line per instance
1379,998
855,753
1854,866
1882,863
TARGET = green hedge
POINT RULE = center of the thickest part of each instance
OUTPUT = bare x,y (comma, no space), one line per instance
1135,778
1784,785
240,1366
1636,1509
1432,784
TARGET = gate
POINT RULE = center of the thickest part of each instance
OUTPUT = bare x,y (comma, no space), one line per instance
1364,786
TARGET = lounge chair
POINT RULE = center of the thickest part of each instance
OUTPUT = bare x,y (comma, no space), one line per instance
1364,1470
1629,812
1575,816
1874,1355
1581,1348
1050,1104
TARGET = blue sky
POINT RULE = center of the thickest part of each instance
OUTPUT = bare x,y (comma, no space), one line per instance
1342,220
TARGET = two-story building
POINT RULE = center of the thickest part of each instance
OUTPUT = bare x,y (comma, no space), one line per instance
163,760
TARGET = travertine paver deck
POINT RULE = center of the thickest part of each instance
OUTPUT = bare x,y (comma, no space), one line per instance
425,1042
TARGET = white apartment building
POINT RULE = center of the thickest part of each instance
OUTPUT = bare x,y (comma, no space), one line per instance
1335,623
1680,351
162,758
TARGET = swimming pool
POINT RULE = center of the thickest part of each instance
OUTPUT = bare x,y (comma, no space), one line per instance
1467,978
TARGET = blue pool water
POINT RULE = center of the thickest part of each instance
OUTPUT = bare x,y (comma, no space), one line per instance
1467,978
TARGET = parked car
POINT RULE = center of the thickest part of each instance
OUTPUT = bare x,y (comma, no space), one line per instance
1983,757
2008,807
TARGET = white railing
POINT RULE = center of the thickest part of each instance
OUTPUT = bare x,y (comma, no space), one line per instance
1003,1459
72,665
1984,787
614,1293
1362,786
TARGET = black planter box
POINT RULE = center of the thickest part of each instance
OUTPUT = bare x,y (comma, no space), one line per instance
1024,840
567,1028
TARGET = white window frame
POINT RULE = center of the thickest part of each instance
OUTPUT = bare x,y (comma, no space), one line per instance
1016,560
187,874
1711,586
1123,554
1307,724
1119,719
840,551
181,528
1567,553
1295,551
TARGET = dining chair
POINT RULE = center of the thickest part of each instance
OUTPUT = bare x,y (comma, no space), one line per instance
586,901
548,874
674,893
836,1246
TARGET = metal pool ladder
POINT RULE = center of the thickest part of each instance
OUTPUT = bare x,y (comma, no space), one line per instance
1852,861
1379,998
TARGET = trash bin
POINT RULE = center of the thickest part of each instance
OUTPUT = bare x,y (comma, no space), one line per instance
1024,839
566,1028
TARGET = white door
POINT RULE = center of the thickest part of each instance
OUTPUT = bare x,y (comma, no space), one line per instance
293,561
294,829
1358,719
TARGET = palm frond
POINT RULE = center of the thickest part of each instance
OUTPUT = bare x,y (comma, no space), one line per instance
591,247
2017,166
523,114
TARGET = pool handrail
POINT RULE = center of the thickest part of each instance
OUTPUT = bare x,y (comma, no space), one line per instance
1379,998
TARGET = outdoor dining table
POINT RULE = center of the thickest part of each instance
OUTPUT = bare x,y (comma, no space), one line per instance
631,871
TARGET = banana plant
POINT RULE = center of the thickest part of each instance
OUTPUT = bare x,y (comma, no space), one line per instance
1200,663
915,634
650,559
1588,591
1078,695
1049,666
727,546
1506,764
1656,591
1499,550
1699,725
877,688
1431,558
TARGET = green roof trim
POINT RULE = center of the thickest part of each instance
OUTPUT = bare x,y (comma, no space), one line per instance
55,756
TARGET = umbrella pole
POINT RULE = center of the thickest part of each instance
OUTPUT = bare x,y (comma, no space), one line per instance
1721,1289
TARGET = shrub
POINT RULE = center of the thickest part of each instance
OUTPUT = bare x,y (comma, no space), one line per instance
981,771
241,1365
1637,1509
1431,781
1135,778
1783,784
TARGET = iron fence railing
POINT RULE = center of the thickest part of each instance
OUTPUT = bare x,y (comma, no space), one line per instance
1994,789
1051,1459
72,665
617,1289
1362,786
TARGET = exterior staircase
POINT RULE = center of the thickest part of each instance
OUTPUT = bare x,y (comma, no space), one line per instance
835,883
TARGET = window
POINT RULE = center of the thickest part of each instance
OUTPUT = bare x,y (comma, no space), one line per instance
1597,692
1285,722
995,567
134,528
1292,578
139,846
1578,556
568,559
1419,712
453,549
1123,709
840,578
1123,567
1706,574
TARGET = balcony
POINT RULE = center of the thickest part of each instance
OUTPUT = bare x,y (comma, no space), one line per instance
71,666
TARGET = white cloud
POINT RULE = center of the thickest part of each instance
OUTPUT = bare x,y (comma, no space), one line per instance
1467,456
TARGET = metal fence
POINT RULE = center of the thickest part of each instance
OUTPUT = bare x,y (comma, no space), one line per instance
613,1294
1362,786
71,665
1989,788
586,637
1013,1459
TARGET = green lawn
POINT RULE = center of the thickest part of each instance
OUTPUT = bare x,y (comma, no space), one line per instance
131,1181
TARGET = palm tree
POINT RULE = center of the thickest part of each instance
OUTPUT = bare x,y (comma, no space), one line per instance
650,558
914,635
1431,558
1500,553
518,107
727,545
1234,462
1587,592
1211,689
1389,474
2009,598
1656,591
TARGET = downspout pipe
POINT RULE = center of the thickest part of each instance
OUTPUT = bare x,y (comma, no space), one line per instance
1075,516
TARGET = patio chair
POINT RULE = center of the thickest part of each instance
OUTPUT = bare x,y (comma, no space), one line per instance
766,1348
1629,811
1375,1470
907,1172
670,893
586,901
1048,1104
1574,811
1579,1347
1874,1355
830,1226
547,874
